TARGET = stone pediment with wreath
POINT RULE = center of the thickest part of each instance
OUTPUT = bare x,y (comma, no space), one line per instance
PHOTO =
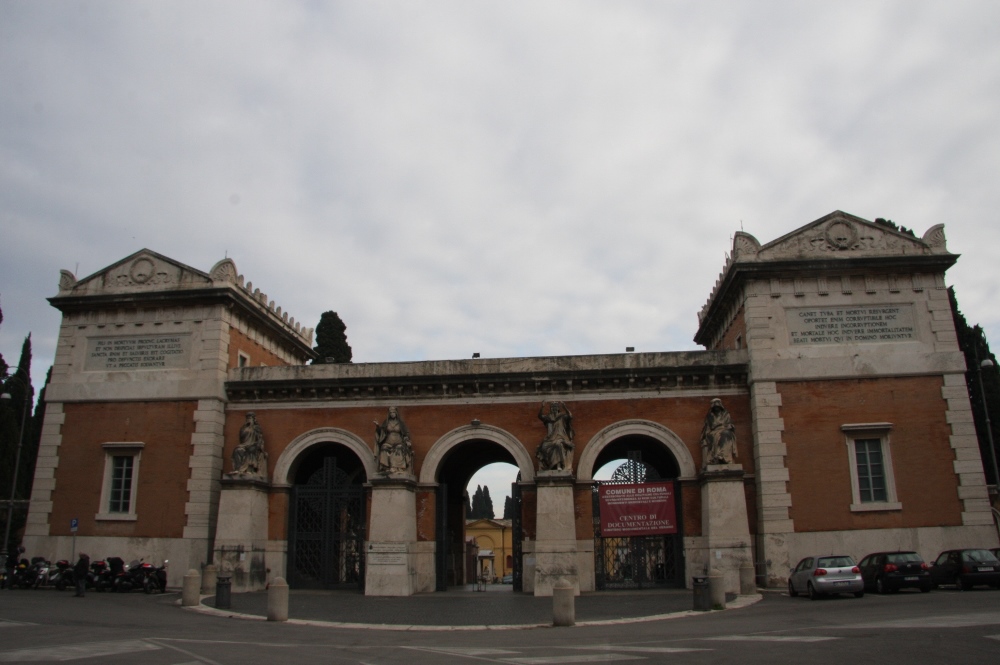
145,270
839,235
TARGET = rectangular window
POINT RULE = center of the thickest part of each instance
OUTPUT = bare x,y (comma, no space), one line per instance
873,486
871,474
121,473
121,484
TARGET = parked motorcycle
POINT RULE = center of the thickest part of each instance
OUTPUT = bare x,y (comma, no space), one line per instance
100,577
154,579
63,576
39,572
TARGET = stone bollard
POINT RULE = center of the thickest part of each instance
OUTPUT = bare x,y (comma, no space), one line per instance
277,600
563,606
748,579
208,579
717,589
191,588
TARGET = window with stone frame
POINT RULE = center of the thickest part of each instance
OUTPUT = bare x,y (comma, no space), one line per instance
873,485
121,473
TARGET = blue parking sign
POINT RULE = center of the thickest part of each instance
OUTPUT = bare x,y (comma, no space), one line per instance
73,524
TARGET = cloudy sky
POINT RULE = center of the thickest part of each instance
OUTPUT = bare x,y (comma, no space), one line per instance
508,178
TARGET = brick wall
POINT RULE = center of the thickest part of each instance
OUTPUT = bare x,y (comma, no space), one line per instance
161,488
818,462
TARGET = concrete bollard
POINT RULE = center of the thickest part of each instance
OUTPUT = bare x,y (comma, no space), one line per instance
563,606
717,589
748,579
277,600
208,578
191,588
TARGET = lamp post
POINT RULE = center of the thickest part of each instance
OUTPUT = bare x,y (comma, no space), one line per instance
17,463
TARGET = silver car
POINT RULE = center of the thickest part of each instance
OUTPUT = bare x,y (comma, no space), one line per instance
820,575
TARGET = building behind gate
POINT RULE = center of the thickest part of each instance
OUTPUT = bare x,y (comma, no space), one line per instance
832,349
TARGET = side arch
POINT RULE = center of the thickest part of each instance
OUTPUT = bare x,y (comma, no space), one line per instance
441,448
283,467
656,431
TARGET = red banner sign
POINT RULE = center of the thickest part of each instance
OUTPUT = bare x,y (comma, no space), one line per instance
644,509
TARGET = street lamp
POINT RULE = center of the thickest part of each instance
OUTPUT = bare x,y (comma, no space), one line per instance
986,410
17,463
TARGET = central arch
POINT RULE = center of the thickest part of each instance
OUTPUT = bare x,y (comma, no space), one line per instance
632,428
448,467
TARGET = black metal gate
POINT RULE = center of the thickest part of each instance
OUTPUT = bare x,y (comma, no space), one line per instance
637,562
327,531
517,535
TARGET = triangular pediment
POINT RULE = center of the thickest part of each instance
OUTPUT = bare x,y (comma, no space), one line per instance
840,235
143,271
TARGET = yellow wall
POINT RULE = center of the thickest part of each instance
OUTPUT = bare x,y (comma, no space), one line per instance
494,535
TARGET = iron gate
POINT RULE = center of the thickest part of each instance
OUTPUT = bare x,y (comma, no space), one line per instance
326,531
637,562
517,535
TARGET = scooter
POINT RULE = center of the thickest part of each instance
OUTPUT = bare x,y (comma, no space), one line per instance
63,576
154,579
100,578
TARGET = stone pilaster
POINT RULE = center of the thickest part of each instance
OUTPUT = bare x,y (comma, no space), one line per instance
724,522
555,546
773,499
968,462
391,551
206,466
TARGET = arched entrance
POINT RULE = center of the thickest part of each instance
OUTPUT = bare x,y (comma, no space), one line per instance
451,463
326,518
642,456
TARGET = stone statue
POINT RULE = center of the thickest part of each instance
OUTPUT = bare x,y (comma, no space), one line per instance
393,450
718,436
555,453
249,457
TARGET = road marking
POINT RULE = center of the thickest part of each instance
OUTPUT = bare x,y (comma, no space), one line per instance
582,658
947,621
611,647
465,651
77,651
6,623
992,637
770,638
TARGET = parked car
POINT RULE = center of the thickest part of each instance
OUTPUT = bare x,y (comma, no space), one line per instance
820,575
507,579
966,568
887,572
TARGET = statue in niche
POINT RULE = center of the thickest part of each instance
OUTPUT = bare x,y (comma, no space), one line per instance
718,436
555,453
393,450
249,457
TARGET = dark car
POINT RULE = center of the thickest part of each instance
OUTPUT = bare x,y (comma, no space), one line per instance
966,568
887,572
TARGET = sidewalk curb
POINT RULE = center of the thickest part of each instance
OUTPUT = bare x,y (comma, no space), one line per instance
739,603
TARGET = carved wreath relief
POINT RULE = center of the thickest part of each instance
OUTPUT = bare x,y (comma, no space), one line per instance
555,452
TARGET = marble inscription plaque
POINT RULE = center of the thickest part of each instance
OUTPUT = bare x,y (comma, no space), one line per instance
386,554
138,352
843,325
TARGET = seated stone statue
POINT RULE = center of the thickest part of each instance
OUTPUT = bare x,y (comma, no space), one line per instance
249,457
718,436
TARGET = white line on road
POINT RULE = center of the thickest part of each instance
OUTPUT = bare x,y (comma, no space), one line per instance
770,638
582,658
77,651
614,647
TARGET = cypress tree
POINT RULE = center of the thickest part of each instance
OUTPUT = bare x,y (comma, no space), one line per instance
487,504
972,342
331,340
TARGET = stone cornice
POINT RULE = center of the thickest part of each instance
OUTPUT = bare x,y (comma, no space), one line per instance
534,378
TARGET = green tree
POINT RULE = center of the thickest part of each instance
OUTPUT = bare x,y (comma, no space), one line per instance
972,342
487,504
508,508
331,340
12,412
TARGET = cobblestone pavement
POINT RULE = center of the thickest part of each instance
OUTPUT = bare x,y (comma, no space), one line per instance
497,607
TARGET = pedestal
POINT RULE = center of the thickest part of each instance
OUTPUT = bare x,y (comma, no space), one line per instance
241,533
390,566
724,522
555,543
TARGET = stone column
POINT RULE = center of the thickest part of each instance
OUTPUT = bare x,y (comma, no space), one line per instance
390,564
241,534
555,538
724,522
